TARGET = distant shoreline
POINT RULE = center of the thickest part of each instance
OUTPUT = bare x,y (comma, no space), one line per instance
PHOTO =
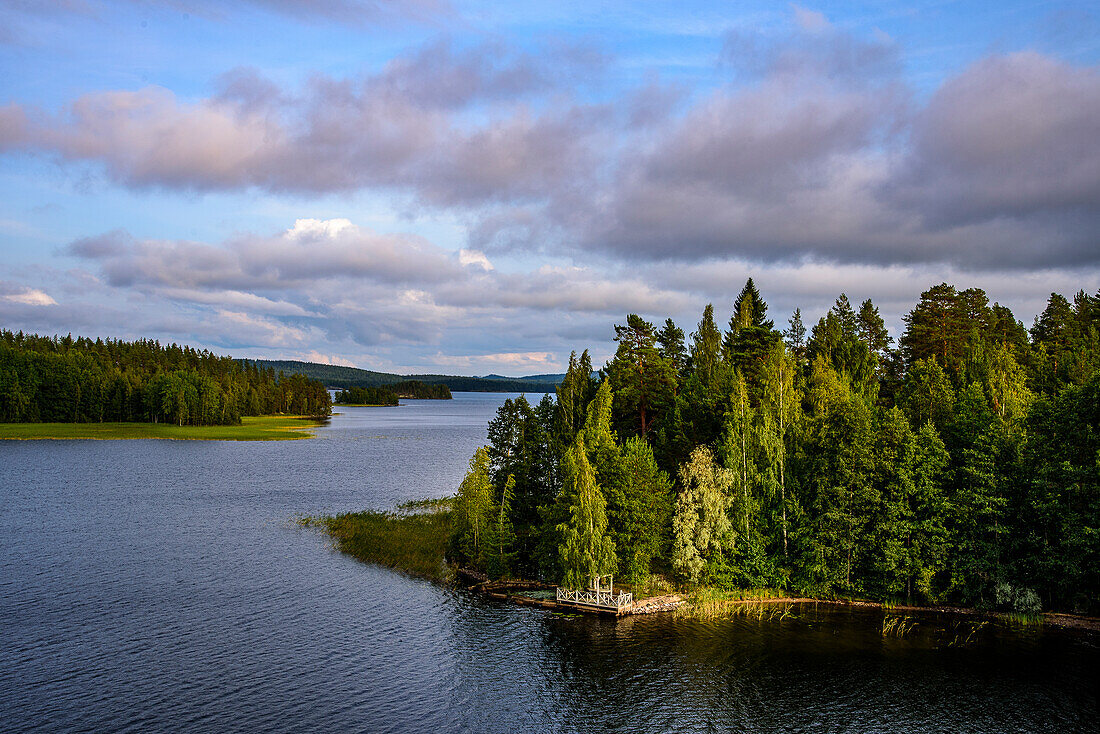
251,428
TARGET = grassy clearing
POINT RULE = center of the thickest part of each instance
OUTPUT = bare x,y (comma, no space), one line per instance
252,428
412,540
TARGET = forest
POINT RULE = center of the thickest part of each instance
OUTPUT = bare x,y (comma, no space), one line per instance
338,376
365,396
958,466
65,380
389,394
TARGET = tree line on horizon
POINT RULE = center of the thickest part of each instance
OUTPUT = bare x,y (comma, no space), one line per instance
66,380
961,465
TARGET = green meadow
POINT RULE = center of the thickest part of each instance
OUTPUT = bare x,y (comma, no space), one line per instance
251,428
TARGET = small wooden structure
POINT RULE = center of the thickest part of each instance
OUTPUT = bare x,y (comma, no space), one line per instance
598,596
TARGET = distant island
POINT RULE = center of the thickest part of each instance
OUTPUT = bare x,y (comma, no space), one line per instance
389,395
338,377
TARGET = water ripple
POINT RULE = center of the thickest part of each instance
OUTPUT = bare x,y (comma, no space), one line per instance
157,586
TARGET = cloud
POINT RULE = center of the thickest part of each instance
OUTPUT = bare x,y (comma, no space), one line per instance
365,12
514,362
474,321
418,125
813,148
360,13
476,258
1013,137
354,286
30,297
310,250
321,358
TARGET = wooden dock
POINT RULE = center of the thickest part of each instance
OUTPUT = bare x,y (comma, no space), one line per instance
603,601
597,600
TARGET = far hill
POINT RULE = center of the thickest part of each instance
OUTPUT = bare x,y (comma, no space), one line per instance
336,376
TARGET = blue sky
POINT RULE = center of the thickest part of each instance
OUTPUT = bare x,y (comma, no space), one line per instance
482,187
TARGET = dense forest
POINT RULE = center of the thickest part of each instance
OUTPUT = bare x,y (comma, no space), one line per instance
338,376
66,380
389,395
961,465
365,396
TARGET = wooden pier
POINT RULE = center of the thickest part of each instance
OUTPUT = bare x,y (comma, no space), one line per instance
599,598
595,599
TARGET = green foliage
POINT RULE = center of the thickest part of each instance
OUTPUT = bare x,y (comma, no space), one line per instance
641,379
640,508
338,376
587,551
573,394
701,528
750,336
389,395
66,380
251,428
927,395
473,513
499,540
366,396
966,460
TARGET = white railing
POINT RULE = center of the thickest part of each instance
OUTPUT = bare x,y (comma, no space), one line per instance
602,599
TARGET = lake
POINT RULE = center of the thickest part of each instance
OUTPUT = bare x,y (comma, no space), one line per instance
163,586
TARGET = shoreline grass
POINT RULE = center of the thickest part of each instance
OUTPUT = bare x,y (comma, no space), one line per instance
412,540
252,428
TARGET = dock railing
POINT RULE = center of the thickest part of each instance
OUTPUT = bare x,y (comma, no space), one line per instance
598,599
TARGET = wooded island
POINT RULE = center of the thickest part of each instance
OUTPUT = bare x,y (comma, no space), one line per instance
390,394
962,466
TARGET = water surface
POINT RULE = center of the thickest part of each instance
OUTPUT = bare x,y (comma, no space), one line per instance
160,586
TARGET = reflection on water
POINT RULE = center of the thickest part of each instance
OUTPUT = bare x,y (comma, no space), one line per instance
159,586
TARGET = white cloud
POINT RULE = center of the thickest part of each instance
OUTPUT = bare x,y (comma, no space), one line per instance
333,359
31,297
514,362
312,228
474,257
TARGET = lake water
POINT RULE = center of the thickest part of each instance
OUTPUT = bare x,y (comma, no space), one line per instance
162,586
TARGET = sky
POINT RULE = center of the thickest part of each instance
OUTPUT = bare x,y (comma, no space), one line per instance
482,187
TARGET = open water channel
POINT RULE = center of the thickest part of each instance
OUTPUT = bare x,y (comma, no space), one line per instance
162,586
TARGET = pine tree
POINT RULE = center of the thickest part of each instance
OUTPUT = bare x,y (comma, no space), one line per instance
935,328
795,335
872,329
643,381
670,345
750,336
